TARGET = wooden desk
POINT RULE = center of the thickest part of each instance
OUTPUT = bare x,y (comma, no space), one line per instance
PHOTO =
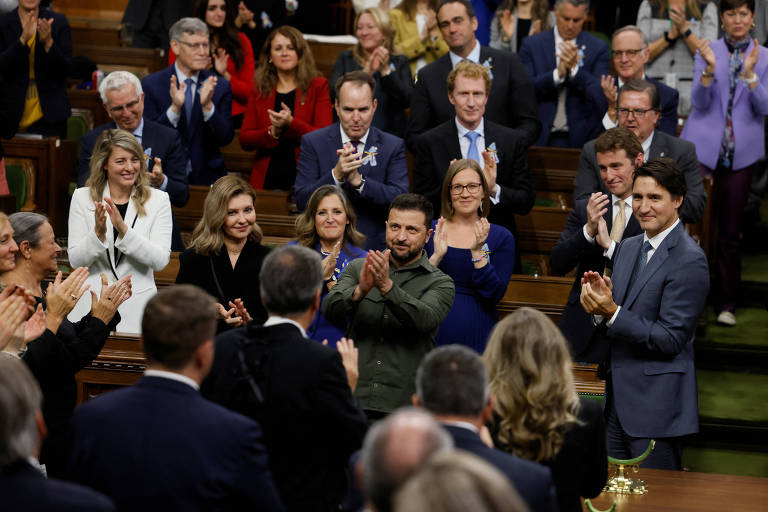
685,491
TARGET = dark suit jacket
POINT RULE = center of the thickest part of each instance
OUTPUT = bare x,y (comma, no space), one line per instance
571,251
201,138
681,151
668,98
512,101
651,340
533,481
158,141
311,422
158,445
584,97
383,181
51,68
436,148
149,32
24,488
393,91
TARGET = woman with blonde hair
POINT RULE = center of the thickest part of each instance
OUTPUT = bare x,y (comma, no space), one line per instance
537,414
478,255
225,255
374,53
416,32
119,225
327,226
675,30
289,99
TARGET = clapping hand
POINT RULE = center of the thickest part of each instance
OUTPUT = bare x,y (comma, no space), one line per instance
178,94
379,262
44,32
439,242
156,176
329,262
220,60
596,294
597,206
62,296
114,216
569,57
28,26
751,59
244,17
349,161
206,93
13,311
708,55
281,120
507,24
379,61
105,305
348,352
490,171
611,93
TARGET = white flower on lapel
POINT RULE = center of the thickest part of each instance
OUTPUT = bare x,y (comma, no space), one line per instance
370,156
488,64
492,150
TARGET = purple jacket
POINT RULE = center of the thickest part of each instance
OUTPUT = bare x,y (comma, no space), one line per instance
706,122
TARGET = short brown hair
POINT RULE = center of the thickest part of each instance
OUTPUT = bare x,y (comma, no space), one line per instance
446,208
358,77
469,70
619,138
176,322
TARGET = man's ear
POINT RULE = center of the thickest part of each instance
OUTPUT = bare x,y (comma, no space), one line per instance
488,409
429,234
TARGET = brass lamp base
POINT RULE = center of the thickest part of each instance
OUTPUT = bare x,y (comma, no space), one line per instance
620,483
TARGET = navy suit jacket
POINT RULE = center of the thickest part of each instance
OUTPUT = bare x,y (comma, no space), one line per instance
201,138
51,68
511,102
436,148
651,339
24,488
533,481
571,251
584,97
681,151
158,141
158,445
383,181
668,98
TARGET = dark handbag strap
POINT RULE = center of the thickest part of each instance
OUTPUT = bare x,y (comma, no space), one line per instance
222,298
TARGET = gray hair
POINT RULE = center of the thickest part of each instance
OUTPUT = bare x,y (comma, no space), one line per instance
453,380
116,80
189,26
395,448
20,399
290,277
574,3
631,28
26,226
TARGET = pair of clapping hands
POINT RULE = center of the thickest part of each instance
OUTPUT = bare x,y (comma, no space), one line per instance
21,322
440,241
236,315
31,24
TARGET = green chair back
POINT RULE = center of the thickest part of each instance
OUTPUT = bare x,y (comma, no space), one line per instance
17,183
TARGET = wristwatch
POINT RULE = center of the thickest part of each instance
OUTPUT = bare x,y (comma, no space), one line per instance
667,38
707,74
750,81
686,33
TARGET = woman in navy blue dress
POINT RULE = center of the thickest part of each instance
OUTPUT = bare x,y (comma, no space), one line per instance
328,226
478,255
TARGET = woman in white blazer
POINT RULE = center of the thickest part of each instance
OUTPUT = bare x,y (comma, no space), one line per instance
119,225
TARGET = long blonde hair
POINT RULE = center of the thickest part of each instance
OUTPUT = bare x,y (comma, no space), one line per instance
102,151
208,236
530,374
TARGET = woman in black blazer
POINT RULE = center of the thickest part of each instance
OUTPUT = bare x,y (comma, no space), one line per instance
225,255
537,413
374,54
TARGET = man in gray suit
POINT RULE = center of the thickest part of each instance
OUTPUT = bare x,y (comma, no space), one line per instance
639,111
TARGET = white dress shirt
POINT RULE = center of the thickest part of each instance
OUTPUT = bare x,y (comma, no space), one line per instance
173,376
474,56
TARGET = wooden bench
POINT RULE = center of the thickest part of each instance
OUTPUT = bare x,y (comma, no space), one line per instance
93,22
553,171
53,160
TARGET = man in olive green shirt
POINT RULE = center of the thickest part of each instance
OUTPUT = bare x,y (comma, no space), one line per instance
393,302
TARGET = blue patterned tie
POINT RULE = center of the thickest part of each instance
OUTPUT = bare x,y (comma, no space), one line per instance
189,99
640,265
472,154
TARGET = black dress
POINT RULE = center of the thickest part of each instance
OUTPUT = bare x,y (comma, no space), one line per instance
580,468
240,282
281,173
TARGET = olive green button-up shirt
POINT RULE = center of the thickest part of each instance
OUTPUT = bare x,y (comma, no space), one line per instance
392,334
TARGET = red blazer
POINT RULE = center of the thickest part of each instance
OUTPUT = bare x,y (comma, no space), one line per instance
241,79
312,111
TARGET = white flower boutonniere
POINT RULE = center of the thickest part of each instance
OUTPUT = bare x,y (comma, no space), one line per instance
493,151
489,64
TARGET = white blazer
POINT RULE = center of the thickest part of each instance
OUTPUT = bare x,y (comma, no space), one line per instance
145,247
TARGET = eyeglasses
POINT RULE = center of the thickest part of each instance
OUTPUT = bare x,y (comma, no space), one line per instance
195,46
128,106
628,53
638,113
472,188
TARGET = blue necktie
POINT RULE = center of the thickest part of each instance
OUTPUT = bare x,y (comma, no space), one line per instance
472,154
189,99
640,265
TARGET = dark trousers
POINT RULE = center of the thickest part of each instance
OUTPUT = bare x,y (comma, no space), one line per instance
731,194
559,140
667,454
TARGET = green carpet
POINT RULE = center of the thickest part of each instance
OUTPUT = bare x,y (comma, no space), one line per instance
729,462
754,267
751,329
733,395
